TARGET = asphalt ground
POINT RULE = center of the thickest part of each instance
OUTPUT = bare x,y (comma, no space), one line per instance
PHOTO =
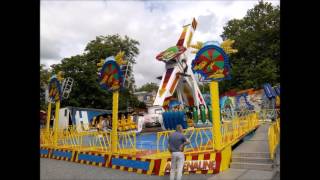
51,169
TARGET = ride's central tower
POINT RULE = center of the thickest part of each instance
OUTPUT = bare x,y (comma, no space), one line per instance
178,76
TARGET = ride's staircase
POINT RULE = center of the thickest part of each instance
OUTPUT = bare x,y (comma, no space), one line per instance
253,153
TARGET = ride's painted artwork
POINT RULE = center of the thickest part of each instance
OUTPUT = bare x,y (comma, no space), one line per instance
55,92
212,63
110,76
171,53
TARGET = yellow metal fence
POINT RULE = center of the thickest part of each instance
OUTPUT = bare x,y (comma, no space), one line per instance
274,137
269,114
238,127
127,142
201,138
72,138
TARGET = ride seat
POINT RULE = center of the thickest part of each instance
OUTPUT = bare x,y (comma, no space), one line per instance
130,122
120,125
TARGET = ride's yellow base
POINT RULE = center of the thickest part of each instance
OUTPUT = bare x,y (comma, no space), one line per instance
206,162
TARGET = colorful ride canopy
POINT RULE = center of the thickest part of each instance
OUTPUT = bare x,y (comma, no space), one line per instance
55,92
110,77
212,63
171,53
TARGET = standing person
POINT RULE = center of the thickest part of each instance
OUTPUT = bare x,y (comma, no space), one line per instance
92,125
108,119
108,122
103,123
42,119
99,124
176,144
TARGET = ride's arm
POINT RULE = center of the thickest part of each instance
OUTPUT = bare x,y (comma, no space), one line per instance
168,84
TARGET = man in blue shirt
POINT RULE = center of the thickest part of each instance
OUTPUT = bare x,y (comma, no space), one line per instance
176,144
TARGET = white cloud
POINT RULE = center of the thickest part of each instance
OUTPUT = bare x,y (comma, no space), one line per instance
49,48
67,26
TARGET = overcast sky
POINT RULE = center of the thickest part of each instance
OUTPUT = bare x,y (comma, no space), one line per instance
67,26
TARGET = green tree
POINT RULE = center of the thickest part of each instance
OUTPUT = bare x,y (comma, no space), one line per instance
110,45
44,78
204,88
257,38
149,87
83,69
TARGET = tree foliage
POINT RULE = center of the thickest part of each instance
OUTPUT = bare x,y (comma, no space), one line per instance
204,88
257,38
44,78
149,87
110,45
83,69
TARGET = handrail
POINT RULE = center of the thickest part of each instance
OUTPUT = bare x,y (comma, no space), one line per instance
127,142
274,137
201,138
231,131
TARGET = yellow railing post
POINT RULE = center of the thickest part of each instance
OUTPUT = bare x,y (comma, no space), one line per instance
114,132
134,142
158,139
56,123
48,117
273,137
216,127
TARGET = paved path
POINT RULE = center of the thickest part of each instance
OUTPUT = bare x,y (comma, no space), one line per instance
257,143
243,174
51,169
